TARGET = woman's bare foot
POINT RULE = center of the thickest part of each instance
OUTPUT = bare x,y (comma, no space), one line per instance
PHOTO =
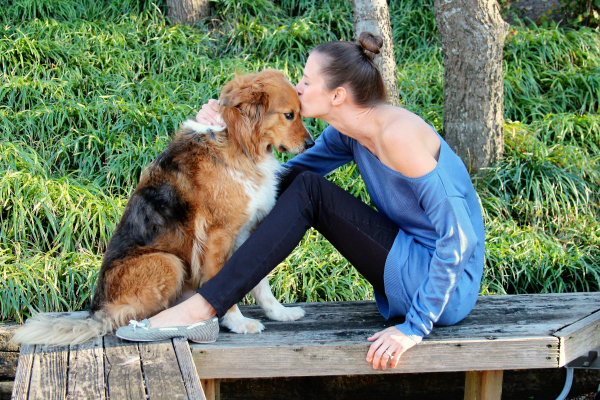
194,309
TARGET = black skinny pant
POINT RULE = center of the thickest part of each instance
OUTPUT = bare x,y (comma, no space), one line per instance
361,234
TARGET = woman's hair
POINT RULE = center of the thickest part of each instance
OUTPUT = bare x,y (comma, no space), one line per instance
353,65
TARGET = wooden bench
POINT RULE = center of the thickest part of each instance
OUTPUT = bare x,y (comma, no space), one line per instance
502,333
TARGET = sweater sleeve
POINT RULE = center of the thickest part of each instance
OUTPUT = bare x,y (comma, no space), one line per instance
331,150
455,246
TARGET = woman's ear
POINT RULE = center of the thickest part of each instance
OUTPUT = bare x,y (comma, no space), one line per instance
339,95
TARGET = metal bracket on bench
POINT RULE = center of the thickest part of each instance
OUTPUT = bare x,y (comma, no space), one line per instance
589,361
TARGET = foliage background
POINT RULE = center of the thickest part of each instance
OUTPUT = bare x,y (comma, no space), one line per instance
91,90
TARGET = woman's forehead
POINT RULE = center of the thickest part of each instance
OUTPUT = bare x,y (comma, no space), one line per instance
313,65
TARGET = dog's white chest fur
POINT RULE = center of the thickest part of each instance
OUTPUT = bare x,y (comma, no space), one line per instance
262,194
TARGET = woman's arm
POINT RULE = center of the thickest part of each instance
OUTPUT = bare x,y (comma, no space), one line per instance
331,150
455,247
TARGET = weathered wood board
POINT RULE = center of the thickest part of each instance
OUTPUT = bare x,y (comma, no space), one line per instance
123,370
163,376
502,332
578,338
49,373
86,371
349,359
188,370
23,375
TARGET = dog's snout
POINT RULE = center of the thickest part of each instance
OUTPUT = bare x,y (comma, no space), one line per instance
308,143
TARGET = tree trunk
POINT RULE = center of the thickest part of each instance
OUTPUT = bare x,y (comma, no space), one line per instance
472,33
373,16
187,11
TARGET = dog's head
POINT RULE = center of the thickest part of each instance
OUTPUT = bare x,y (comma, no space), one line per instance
262,111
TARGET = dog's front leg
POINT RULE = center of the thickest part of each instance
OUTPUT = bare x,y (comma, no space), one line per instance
273,308
236,322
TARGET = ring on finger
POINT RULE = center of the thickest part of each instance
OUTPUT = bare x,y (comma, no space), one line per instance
390,355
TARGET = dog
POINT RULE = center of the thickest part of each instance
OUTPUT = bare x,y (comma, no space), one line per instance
195,204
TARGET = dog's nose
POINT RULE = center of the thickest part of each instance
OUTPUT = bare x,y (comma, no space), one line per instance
309,143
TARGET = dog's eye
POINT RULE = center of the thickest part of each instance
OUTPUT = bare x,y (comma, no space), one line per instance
289,115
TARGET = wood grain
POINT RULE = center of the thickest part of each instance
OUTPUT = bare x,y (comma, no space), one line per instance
161,370
483,385
212,388
49,373
86,371
512,315
23,375
187,367
579,338
349,359
123,370
502,332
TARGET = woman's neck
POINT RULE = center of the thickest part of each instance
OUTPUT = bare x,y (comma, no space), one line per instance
361,123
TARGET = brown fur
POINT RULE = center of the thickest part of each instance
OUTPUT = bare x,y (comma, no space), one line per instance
181,223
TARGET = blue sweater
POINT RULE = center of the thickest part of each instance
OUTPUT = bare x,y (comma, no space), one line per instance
433,271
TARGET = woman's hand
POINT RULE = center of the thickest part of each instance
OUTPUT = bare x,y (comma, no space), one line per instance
389,344
208,114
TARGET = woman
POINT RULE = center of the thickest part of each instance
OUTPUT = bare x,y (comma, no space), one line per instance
422,250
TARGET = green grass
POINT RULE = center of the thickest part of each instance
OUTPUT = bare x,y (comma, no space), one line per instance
90,92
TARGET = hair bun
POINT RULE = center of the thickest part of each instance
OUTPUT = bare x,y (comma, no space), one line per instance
370,44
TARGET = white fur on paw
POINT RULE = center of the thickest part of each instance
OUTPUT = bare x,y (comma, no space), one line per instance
242,324
285,313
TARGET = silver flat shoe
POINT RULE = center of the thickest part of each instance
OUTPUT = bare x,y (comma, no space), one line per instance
140,331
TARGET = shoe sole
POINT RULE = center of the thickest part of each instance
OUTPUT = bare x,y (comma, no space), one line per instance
199,342
156,340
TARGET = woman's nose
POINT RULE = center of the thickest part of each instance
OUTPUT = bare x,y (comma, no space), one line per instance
298,88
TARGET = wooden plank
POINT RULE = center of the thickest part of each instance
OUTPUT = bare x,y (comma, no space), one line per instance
23,375
123,370
579,338
513,315
86,371
483,385
69,314
212,388
49,373
487,307
161,371
187,367
349,359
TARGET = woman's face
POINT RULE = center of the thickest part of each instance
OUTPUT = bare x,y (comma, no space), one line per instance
315,99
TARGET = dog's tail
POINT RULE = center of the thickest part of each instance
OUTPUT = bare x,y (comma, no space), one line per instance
47,330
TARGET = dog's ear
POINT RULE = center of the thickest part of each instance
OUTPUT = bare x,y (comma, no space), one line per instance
243,90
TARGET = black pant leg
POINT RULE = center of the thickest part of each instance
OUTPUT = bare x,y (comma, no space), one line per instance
360,234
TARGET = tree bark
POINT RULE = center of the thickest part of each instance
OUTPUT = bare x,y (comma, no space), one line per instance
373,16
472,33
187,11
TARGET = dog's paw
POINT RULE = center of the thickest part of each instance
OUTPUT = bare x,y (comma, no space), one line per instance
285,313
242,324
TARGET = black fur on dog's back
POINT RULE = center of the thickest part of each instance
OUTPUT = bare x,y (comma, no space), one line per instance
155,208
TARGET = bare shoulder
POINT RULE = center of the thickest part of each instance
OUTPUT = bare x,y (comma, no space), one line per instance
408,144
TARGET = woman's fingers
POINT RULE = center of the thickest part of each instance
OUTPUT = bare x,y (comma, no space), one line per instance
389,345
396,358
208,113
385,357
372,350
214,104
